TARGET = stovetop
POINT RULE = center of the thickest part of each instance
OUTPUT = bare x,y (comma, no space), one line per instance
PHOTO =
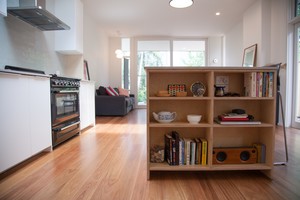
60,81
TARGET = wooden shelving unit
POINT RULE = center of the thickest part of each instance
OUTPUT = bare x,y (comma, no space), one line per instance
209,106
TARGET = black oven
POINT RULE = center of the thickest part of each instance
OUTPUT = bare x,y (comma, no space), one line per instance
65,104
65,113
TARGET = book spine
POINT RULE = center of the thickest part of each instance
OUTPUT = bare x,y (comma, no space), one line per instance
204,151
188,152
173,152
198,151
253,87
168,149
263,153
271,84
250,84
264,84
176,137
199,146
180,152
267,84
183,151
233,118
193,152
260,84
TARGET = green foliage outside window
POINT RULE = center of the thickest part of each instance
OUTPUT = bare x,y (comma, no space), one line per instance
297,5
194,59
156,59
146,58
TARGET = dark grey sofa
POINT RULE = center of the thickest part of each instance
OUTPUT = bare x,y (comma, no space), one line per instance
106,105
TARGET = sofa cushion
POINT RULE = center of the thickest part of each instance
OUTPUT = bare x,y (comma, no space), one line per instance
123,92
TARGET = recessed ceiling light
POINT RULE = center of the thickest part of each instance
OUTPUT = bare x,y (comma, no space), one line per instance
181,3
218,13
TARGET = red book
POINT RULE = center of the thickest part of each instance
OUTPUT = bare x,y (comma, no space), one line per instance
222,118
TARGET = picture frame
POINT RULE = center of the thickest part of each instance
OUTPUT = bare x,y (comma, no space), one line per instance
249,57
86,72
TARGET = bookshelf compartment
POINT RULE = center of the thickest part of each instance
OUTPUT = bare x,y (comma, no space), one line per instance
241,136
163,78
235,82
260,109
235,137
182,108
157,138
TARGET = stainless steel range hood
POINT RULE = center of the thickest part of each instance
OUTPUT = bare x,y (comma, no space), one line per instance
34,13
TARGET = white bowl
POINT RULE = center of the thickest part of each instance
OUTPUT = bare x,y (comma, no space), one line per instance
194,119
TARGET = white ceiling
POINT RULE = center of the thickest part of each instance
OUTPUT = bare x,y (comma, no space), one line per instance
127,18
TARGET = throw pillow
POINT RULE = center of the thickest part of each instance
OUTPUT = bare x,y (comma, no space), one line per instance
109,92
101,91
123,92
114,91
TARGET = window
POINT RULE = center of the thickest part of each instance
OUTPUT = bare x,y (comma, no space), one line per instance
297,8
189,53
125,54
165,53
150,53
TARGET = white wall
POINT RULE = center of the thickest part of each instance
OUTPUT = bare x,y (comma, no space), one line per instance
252,27
25,46
234,46
115,67
95,48
215,51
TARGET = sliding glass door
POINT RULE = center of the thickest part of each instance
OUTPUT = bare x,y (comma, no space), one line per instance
296,83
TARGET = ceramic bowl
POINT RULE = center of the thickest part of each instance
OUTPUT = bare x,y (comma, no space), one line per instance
194,119
164,116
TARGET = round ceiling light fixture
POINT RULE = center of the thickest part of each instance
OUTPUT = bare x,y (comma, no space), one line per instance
181,3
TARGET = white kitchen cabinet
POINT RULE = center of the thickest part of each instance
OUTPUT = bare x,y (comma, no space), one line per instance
40,113
87,104
69,41
25,118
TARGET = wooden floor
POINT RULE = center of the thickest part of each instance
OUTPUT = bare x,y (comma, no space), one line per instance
108,161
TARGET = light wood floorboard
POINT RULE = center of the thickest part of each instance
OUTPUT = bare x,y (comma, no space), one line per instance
108,161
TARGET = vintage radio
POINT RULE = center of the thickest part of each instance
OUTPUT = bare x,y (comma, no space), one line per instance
234,155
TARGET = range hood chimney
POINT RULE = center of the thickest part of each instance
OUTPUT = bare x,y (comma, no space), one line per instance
34,13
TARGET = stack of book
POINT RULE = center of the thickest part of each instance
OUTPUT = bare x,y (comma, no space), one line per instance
259,84
234,118
185,151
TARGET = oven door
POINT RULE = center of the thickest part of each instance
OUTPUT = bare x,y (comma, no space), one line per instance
65,131
64,106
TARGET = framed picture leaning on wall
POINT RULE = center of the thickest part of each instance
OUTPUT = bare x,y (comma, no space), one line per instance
249,57
86,73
